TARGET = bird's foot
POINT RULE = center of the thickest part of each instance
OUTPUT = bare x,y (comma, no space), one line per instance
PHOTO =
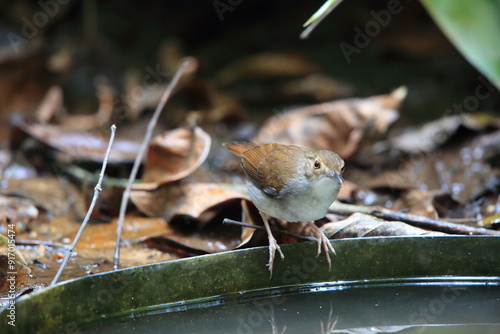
325,242
273,247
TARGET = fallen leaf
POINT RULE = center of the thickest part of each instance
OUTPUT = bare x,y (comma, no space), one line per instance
107,96
103,236
12,286
17,209
265,65
430,136
167,244
51,105
6,245
82,146
360,225
417,202
189,199
213,238
318,86
174,155
49,194
341,126
250,216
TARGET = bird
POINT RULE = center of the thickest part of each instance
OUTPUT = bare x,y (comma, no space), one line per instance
292,183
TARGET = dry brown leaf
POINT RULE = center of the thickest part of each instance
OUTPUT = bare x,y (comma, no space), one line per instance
48,194
190,199
432,135
212,105
174,155
360,225
266,65
250,216
215,238
106,96
318,86
340,126
51,105
103,236
418,202
22,281
17,209
82,146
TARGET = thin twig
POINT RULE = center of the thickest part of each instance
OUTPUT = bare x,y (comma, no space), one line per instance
140,155
414,220
238,223
97,190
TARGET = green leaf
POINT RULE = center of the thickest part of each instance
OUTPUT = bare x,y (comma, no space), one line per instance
322,11
473,27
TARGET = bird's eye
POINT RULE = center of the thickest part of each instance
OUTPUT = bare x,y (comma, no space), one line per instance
342,169
317,165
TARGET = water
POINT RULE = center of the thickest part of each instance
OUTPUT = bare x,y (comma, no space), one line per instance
420,306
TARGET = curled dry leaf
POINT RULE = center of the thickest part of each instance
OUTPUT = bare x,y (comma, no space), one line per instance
82,146
250,216
340,126
361,225
174,155
189,199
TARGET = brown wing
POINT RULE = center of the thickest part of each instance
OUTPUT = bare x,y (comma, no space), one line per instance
268,166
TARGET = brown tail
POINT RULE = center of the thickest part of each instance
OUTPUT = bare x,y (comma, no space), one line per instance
239,147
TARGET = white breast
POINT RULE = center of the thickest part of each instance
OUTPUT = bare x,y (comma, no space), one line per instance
303,203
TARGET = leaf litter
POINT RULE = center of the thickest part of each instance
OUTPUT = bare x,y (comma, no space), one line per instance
443,170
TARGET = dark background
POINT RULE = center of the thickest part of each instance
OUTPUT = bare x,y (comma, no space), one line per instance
113,36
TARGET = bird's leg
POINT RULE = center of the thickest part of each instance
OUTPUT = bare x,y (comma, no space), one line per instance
323,240
273,245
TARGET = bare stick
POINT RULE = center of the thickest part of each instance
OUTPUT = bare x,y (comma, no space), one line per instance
97,190
140,155
414,220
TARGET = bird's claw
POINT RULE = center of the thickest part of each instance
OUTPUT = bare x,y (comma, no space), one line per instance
273,246
322,240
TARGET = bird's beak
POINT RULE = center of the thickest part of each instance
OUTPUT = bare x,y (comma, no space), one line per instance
337,176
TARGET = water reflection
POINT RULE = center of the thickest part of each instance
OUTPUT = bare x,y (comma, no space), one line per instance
465,307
